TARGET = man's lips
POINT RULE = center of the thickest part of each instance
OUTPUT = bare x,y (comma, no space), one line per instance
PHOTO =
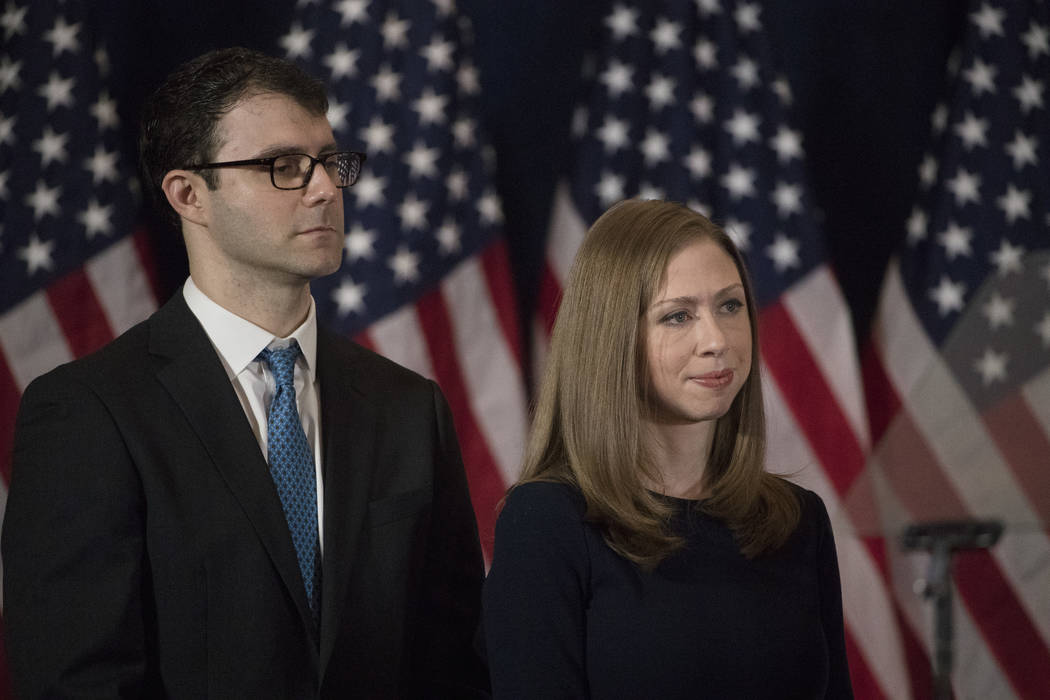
714,380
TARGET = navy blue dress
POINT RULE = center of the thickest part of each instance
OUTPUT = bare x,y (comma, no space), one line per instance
566,617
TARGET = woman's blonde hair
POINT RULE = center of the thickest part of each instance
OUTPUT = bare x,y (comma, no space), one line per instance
588,418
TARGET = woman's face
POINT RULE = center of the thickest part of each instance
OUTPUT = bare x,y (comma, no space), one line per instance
698,339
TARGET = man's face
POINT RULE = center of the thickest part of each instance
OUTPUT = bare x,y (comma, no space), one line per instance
264,234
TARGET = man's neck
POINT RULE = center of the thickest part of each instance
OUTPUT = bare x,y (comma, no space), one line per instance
279,309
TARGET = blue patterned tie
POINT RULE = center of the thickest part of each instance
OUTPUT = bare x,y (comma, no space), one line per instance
292,468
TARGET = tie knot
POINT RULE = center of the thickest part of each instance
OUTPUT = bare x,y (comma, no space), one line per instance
282,363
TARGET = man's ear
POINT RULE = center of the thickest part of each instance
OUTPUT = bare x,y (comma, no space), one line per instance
185,193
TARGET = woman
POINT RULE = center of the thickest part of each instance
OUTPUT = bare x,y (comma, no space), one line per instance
645,553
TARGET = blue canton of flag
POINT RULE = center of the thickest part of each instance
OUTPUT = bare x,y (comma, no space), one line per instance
66,184
404,90
679,111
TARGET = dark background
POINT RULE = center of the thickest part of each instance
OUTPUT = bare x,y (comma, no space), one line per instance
865,75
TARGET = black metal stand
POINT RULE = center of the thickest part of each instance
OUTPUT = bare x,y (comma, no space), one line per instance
942,539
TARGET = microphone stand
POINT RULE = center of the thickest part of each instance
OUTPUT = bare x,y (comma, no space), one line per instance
942,539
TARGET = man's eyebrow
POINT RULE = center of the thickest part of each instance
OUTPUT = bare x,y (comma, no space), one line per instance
285,149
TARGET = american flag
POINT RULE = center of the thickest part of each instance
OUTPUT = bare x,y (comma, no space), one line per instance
425,280
958,374
681,103
73,271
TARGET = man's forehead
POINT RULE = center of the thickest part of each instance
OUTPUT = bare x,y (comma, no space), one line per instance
269,120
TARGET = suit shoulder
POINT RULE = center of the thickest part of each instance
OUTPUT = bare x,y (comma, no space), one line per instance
373,369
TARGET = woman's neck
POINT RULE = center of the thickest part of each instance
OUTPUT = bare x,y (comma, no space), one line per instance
679,454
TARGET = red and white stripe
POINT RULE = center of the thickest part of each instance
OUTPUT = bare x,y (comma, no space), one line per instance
463,335
940,457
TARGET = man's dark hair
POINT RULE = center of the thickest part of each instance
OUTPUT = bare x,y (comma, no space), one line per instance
179,120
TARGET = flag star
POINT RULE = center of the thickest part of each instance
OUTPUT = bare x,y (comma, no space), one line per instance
617,78
96,219
746,17
43,200
972,131
782,89
609,188
739,181
740,232
613,134
359,243
349,297
368,190
1015,204
989,20
490,211
413,212
660,92
708,7
1043,329
387,84
405,265
783,252
51,147
463,132
999,311
1008,258
916,226
965,186
787,198
1037,39
650,191
351,11
580,118
703,108
981,77
743,127
422,161
654,147
787,144
467,79
431,107
701,207
438,54
378,136
7,130
457,185
1029,93
296,43
665,36
956,241
37,254
448,236
948,296
342,62
746,73
1022,150
13,20
622,22
991,366
394,31
698,162
4,175
102,61
9,78
63,37
706,54
939,118
104,110
928,171
444,7
102,165
58,91
337,113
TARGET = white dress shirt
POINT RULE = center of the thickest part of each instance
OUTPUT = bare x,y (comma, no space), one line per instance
238,343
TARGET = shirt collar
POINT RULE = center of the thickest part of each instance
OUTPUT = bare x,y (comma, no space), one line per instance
239,341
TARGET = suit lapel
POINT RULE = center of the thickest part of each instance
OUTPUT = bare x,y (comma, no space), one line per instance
348,421
197,382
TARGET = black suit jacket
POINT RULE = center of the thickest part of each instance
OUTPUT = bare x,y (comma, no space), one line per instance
146,553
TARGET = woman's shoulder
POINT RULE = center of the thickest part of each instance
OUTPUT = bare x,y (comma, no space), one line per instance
544,499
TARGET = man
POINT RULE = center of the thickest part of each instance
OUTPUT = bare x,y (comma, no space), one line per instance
227,501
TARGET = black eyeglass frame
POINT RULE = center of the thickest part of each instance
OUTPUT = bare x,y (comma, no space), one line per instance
273,159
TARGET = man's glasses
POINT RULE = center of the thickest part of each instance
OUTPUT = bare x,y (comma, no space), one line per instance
292,171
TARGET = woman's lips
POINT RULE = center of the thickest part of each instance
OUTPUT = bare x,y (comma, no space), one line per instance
714,380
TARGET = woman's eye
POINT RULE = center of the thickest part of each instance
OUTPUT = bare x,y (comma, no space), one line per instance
733,305
678,317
